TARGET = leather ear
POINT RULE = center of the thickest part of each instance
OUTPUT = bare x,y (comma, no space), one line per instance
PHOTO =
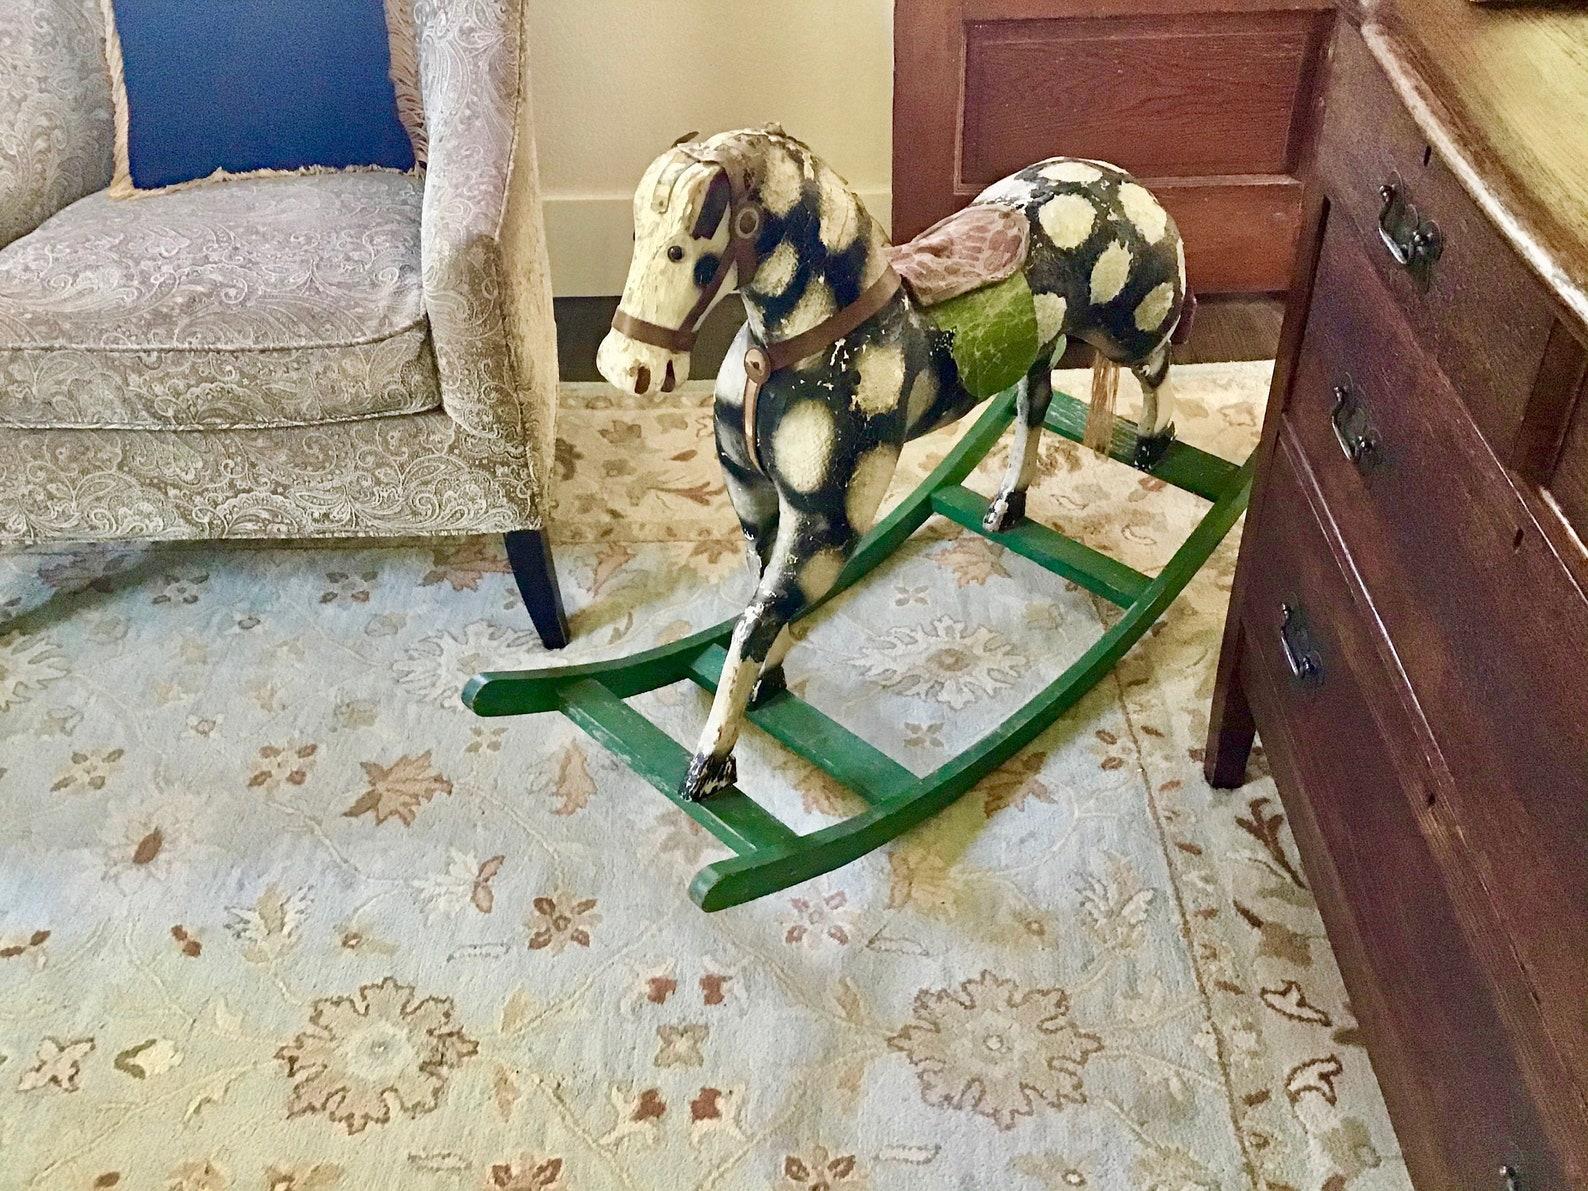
713,206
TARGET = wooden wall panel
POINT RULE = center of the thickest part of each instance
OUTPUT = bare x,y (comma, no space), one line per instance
1240,235
1209,103
1232,78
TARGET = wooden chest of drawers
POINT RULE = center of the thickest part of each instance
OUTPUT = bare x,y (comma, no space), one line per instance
1409,626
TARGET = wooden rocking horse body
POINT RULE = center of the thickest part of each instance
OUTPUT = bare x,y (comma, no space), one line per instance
839,363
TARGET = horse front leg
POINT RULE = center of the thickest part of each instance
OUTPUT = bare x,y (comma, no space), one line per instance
803,566
713,768
755,501
773,680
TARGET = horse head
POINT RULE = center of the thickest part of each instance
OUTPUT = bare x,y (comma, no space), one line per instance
693,227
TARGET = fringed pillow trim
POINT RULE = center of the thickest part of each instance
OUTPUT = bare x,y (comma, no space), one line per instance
403,33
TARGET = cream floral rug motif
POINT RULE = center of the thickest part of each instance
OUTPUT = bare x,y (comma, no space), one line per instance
278,914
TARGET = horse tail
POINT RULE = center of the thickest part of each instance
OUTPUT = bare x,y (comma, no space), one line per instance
1099,435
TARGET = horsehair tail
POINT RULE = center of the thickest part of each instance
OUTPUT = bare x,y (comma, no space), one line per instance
1099,434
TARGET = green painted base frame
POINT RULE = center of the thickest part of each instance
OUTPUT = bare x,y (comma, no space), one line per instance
769,855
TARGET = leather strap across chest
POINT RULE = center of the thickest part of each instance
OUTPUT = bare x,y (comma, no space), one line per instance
761,361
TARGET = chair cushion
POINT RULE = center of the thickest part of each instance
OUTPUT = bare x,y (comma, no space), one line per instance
268,302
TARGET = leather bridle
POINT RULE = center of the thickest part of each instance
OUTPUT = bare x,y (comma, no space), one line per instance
744,225
760,360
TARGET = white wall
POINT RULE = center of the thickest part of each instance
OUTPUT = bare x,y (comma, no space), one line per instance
617,81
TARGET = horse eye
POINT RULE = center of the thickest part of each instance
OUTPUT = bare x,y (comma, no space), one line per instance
675,253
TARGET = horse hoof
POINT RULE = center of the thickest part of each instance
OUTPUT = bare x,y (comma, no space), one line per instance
708,774
1004,512
770,683
1150,450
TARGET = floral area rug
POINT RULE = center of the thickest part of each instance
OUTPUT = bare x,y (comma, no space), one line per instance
277,913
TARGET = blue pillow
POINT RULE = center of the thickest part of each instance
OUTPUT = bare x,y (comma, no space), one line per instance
246,86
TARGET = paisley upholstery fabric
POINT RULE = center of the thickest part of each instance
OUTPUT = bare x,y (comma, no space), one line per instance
484,339
422,474
484,248
55,124
269,302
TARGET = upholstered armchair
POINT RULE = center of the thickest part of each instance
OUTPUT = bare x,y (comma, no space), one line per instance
340,355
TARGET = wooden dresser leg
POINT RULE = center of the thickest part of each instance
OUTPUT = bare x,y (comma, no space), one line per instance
529,552
1230,725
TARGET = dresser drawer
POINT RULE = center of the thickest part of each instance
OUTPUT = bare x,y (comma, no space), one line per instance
1568,483
1338,735
1488,625
1476,308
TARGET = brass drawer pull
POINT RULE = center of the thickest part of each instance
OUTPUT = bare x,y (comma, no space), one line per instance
1306,667
1414,242
1352,430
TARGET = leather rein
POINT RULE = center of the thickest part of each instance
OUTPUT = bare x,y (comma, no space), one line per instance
760,360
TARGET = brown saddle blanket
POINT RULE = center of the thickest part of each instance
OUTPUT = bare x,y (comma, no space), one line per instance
973,247
977,246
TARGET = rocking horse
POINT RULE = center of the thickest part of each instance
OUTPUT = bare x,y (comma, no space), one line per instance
850,349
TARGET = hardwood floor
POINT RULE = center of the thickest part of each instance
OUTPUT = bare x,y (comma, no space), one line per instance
1225,328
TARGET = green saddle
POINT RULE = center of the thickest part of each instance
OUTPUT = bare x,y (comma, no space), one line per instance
965,273
993,334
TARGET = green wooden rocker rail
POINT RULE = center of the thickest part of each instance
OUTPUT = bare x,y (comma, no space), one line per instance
769,855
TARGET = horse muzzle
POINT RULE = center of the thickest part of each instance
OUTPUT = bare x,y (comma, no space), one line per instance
640,368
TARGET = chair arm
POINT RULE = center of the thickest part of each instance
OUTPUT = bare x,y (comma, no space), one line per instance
486,279
55,130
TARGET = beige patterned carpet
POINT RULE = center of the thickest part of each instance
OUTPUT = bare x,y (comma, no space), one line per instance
276,913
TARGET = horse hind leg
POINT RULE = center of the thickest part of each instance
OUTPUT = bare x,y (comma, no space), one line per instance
1155,430
1008,507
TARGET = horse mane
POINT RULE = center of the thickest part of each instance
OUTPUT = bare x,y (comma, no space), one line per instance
744,147
739,149
773,132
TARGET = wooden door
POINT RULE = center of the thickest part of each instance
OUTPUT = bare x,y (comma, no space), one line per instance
1210,103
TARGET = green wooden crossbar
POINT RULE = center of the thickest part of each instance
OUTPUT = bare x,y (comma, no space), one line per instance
769,855
1182,465
729,815
1050,550
806,732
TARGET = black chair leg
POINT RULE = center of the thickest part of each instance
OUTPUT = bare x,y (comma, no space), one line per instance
529,552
